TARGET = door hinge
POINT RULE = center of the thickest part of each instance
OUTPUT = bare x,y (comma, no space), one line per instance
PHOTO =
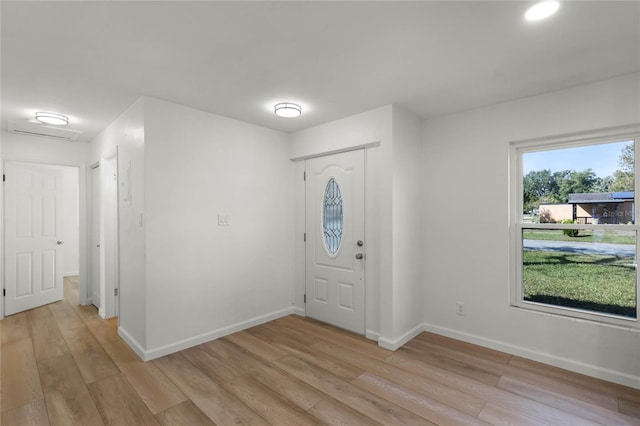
4,291
304,175
115,291
4,177
305,298
305,237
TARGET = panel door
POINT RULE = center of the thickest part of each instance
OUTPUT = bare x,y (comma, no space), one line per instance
335,280
33,236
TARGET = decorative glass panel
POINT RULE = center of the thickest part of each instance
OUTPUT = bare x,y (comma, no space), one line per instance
332,218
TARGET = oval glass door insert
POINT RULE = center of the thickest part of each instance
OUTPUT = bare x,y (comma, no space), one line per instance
332,217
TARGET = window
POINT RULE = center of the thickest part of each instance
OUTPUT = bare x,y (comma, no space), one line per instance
332,218
574,229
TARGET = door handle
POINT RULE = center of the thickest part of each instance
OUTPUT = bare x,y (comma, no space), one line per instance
359,256
59,242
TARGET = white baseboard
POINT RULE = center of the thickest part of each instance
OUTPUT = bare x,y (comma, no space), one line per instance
299,311
372,335
70,274
133,343
214,334
397,343
556,361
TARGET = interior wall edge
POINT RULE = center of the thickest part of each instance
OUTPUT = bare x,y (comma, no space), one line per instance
395,344
372,335
132,342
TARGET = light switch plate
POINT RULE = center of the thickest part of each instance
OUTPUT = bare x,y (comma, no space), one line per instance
223,219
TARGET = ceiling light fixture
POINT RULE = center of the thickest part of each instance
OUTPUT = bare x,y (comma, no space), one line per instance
542,10
52,118
287,110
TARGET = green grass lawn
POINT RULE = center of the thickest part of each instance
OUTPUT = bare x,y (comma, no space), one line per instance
599,283
585,236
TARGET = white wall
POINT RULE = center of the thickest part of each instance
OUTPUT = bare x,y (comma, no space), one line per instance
373,130
127,134
65,153
407,226
205,280
43,150
466,252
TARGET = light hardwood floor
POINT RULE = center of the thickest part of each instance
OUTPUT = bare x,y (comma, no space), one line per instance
62,364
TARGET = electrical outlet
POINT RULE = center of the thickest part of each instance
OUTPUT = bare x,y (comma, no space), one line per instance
460,308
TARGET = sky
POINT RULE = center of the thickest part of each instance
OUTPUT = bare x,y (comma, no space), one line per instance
602,159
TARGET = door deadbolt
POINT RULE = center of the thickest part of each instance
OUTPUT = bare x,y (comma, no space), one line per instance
360,243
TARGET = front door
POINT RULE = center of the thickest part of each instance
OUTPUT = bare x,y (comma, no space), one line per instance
335,281
33,229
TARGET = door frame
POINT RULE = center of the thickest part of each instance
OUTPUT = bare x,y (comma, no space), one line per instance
90,233
82,213
304,224
109,238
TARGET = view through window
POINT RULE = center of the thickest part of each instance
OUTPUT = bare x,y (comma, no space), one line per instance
577,232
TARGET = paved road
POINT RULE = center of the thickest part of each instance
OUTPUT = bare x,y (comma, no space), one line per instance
626,250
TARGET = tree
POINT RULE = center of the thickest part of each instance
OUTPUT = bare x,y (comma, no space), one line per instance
604,184
576,183
536,185
624,178
543,186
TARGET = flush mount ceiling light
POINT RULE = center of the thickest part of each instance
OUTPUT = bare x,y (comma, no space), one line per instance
52,118
542,10
287,110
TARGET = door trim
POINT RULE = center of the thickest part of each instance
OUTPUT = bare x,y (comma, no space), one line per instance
110,249
90,234
363,146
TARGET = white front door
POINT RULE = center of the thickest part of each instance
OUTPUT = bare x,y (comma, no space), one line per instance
335,282
33,229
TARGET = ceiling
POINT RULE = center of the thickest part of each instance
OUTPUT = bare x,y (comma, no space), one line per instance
91,60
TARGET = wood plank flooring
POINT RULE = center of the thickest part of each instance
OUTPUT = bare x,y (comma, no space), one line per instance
63,365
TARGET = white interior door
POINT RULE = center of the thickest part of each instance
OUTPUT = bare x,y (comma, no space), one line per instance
96,207
109,284
33,229
335,281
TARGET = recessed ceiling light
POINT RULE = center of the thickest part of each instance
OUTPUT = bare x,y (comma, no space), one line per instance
542,10
287,110
52,118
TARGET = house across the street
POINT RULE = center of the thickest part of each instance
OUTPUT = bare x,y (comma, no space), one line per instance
598,207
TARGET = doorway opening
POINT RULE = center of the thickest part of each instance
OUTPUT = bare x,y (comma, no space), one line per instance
102,289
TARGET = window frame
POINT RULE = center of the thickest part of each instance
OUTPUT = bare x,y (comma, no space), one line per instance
517,225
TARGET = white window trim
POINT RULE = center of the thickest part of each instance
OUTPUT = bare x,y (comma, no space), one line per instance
516,224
